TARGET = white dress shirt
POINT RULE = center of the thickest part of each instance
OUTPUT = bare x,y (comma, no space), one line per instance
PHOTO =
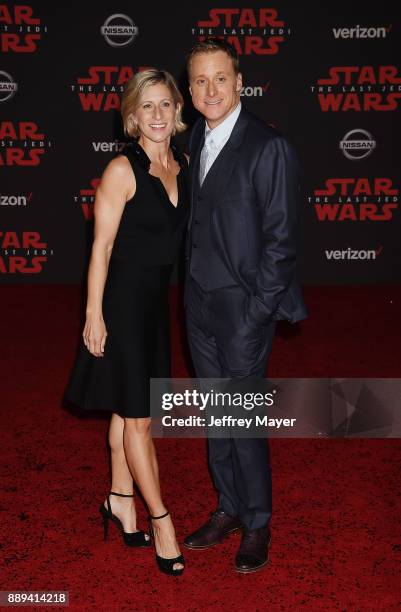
215,140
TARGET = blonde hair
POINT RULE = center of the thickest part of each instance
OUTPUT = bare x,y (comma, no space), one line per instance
133,91
211,45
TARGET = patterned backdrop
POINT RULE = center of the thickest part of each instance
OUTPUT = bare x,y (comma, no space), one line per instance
325,74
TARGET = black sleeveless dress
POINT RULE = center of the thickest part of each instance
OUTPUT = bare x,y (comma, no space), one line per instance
135,300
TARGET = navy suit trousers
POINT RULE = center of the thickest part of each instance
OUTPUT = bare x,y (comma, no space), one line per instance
222,346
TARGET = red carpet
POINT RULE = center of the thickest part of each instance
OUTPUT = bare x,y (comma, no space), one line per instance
336,527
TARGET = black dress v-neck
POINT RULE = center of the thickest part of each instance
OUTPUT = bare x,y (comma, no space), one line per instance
135,300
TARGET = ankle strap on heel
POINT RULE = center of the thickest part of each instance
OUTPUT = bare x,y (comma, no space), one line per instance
121,494
154,518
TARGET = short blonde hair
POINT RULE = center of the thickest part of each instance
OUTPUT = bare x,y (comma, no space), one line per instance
134,89
211,45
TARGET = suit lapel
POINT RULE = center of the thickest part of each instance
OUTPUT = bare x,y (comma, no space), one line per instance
194,161
221,171
194,158
219,175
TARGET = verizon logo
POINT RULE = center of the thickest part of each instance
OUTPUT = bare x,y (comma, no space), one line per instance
257,91
355,254
108,147
15,200
361,32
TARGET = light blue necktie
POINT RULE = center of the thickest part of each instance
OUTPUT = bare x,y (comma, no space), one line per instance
207,148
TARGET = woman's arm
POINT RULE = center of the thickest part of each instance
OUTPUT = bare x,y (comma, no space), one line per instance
115,188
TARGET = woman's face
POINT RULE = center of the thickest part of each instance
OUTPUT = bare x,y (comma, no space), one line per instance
156,113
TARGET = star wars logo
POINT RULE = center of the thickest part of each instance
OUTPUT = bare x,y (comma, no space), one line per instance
20,32
23,252
359,88
21,143
100,90
355,199
250,31
86,199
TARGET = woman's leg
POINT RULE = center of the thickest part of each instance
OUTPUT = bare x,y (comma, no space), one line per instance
141,459
121,478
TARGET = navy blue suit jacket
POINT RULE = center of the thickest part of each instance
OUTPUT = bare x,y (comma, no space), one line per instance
254,216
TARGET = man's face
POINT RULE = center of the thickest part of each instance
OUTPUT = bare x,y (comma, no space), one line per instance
214,86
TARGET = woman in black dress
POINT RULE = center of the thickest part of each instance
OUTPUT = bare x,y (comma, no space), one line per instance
141,211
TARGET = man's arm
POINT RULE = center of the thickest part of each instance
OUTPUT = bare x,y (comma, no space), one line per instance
277,184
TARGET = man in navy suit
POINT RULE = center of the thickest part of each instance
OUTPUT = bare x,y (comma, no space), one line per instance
240,278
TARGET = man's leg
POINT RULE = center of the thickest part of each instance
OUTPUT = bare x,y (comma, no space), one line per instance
243,354
252,476
207,365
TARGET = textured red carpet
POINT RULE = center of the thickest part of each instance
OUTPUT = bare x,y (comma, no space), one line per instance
336,527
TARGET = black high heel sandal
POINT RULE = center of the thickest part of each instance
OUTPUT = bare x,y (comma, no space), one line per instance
135,538
166,565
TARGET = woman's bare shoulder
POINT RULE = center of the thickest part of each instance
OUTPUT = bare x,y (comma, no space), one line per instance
119,167
119,174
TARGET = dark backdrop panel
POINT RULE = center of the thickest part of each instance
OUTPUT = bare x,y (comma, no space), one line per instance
58,132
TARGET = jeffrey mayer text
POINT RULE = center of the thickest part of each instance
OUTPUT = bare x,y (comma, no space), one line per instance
226,421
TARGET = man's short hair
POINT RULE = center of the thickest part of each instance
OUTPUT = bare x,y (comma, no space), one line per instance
211,45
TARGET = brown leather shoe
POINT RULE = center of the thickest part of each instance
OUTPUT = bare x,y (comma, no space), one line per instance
214,531
253,553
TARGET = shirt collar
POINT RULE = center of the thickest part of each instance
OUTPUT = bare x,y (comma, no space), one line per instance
223,130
